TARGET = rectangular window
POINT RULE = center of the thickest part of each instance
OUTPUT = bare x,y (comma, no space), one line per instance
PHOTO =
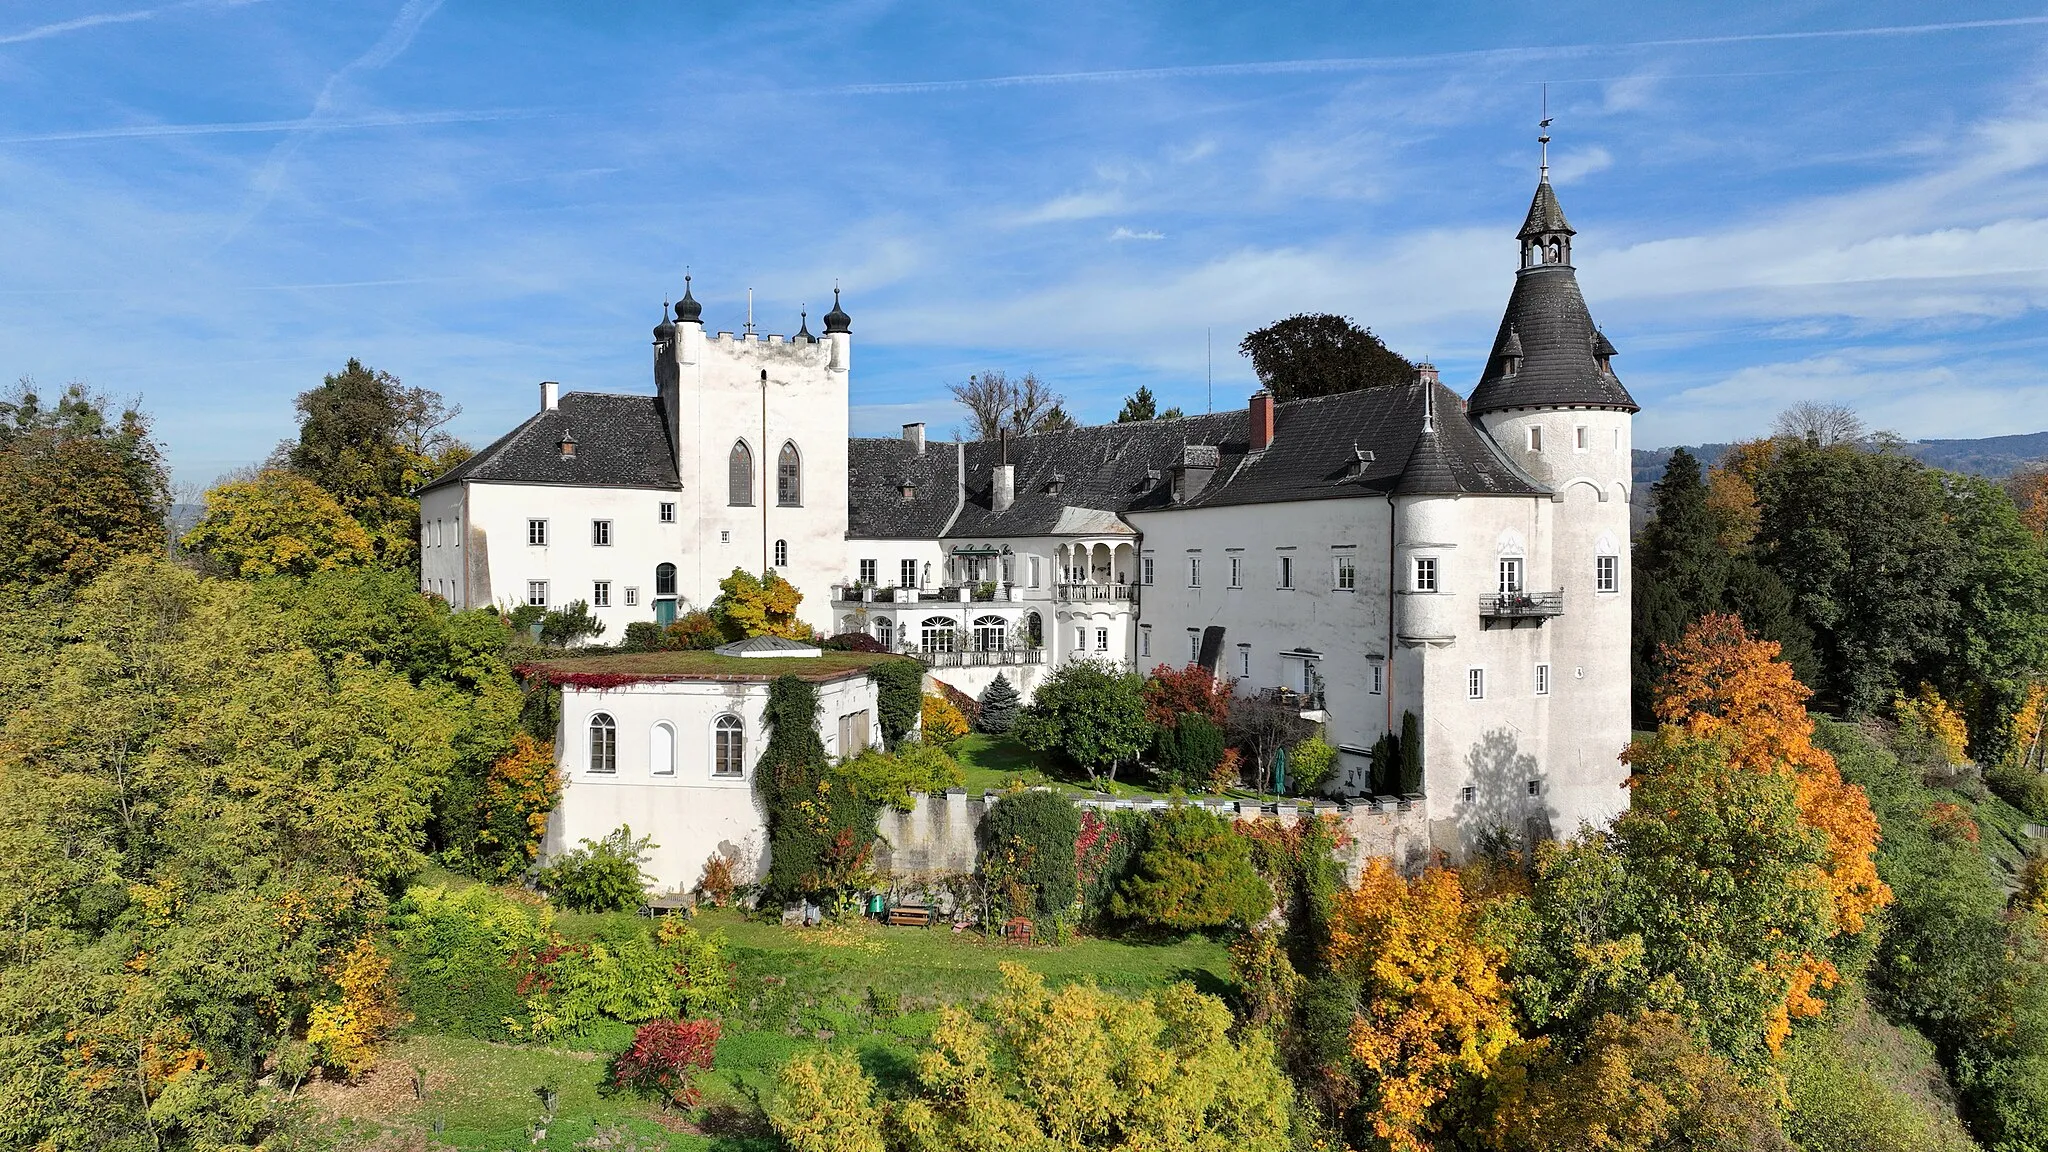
1425,573
1145,571
1102,639
906,574
632,596
1617,439
1144,639
1535,787
1236,572
1244,660
1543,679
1347,574
537,593
1468,794
601,533
601,594
725,536
537,533
868,570
1606,573
1080,640
1579,437
1535,438
1194,571
1379,677
1194,647
668,511
1031,570
1510,575
1475,683
1287,572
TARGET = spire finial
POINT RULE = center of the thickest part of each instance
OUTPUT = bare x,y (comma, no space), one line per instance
1543,140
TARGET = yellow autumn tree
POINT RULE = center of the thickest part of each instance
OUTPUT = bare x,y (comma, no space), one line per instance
279,523
512,814
1927,715
750,605
1725,686
1434,1006
348,1030
940,722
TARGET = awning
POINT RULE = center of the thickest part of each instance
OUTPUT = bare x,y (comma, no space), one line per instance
976,550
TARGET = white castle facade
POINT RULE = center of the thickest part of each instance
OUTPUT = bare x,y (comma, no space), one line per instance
1362,556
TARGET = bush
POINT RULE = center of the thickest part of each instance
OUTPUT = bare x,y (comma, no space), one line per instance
853,642
1195,873
895,778
693,631
1189,750
899,695
520,790
941,723
457,953
625,974
1089,711
998,711
716,884
1309,765
665,1058
642,636
1104,852
598,876
568,624
821,831
1027,852
1171,692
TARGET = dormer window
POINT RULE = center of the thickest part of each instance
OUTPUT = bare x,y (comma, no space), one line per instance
568,447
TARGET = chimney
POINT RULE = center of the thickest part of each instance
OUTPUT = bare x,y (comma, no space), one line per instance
913,434
1425,373
1262,420
1004,493
550,395
568,446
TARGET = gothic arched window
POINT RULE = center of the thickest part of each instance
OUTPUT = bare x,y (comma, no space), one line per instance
728,746
739,475
789,476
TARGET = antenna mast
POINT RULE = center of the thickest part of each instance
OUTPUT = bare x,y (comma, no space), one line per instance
1209,347
750,312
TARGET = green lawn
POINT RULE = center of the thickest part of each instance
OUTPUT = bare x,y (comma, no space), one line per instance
993,763
860,987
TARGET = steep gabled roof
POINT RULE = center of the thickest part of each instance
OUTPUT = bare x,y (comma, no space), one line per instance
621,442
876,470
1103,468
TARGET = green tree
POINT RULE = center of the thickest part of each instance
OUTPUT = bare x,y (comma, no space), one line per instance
1680,573
1026,845
1138,406
821,830
998,711
750,605
1194,873
80,487
371,442
1090,711
1189,748
1318,354
1997,642
279,523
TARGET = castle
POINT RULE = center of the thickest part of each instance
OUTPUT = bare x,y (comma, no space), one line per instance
1364,557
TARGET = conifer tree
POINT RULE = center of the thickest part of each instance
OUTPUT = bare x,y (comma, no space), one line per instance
1681,572
998,707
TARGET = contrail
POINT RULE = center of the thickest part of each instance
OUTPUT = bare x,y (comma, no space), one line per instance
1368,63
83,22
395,120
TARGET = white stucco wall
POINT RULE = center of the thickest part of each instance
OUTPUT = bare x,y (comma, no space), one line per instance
570,563
691,814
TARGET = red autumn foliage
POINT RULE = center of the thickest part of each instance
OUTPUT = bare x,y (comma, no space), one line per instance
665,1058
1171,693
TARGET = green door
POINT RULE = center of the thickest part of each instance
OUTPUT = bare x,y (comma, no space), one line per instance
664,612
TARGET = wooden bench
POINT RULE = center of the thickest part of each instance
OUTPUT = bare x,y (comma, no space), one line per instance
910,916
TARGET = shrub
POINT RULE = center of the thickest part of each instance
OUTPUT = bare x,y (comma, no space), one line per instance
895,778
626,974
1104,851
899,695
568,624
520,790
1195,873
750,605
820,829
1027,852
598,876
456,952
853,642
1411,755
822,1104
941,723
347,1030
1228,773
715,884
642,636
1189,749
1387,765
665,1058
1309,765
1173,692
1929,718
693,631
998,711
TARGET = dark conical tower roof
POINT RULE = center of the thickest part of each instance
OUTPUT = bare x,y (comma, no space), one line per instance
1548,327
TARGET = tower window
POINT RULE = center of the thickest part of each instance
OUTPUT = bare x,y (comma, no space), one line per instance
1606,573
1425,573
1236,572
1535,438
739,476
789,476
782,553
1379,677
1543,679
1579,437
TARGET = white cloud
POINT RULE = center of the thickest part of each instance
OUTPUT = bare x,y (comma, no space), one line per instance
1580,162
1123,233
1073,206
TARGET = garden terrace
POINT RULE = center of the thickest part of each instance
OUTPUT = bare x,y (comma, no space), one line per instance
618,669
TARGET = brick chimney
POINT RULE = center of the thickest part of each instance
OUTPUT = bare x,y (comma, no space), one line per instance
1262,420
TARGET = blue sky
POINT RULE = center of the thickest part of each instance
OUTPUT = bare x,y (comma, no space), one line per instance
210,204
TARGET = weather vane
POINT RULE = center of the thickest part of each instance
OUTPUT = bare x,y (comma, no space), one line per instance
1544,139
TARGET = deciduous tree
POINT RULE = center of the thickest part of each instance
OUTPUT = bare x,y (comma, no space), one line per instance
1318,354
750,605
80,487
371,441
1090,711
277,524
1194,873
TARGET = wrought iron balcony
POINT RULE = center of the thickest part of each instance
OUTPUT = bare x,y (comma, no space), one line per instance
1516,606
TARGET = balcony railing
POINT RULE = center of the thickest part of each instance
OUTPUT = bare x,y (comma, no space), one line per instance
983,658
1294,698
1521,605
948,594
1096,591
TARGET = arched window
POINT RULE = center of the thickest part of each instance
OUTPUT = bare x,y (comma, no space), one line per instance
989,634
1034,630
782,553
604,744
885,631
1556,253
728,747
936,634
661,751
789,476
664,579
739,476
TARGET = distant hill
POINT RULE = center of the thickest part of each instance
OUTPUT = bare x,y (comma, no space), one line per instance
1993,457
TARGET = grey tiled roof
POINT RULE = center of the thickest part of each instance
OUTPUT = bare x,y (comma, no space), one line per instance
875,471
1548,315
1545,214
1103,467
621,442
